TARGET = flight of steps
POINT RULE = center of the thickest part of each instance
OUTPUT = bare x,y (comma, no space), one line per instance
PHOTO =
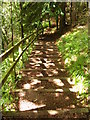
46,90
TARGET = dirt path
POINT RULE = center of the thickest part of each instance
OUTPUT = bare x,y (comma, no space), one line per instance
46,89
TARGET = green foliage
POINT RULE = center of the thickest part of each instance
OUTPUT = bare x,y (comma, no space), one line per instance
33,17
51,9
8,101
9,85
74,49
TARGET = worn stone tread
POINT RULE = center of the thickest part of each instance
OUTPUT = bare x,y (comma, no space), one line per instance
61,114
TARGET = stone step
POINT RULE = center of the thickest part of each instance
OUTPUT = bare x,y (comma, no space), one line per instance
45,56
46,45
38,67
45,53
46,85
61,114
43,64
44,60
48,82
42,90
35,70
45,73
48,77
45,49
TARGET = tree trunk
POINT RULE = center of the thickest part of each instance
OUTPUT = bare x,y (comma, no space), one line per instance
57,21
12,55
2,43
62,18
22,36
22,31
71,14
12,31
49,22
11,25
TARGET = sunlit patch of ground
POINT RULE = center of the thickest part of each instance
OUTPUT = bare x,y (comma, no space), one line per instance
52,112
58,82
27,105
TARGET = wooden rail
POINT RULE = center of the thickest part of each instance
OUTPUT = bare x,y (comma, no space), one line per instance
4,55
13,65
8,52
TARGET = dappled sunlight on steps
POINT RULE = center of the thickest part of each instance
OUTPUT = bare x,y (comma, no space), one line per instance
46,89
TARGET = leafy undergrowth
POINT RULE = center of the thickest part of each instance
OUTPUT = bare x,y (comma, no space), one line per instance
7,101
74,49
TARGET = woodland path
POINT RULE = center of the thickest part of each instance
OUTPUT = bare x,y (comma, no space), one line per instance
46,89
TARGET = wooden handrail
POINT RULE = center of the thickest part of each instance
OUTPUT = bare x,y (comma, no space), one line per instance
4,78
4,55
8,52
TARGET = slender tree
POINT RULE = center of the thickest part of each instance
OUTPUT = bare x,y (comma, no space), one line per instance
22,32
12,30
13,59
2,48
71,14
57,16
62,17
11,24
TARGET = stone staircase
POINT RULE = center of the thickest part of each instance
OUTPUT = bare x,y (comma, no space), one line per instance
46,89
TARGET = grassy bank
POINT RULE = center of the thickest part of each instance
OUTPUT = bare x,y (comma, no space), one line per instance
74,49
